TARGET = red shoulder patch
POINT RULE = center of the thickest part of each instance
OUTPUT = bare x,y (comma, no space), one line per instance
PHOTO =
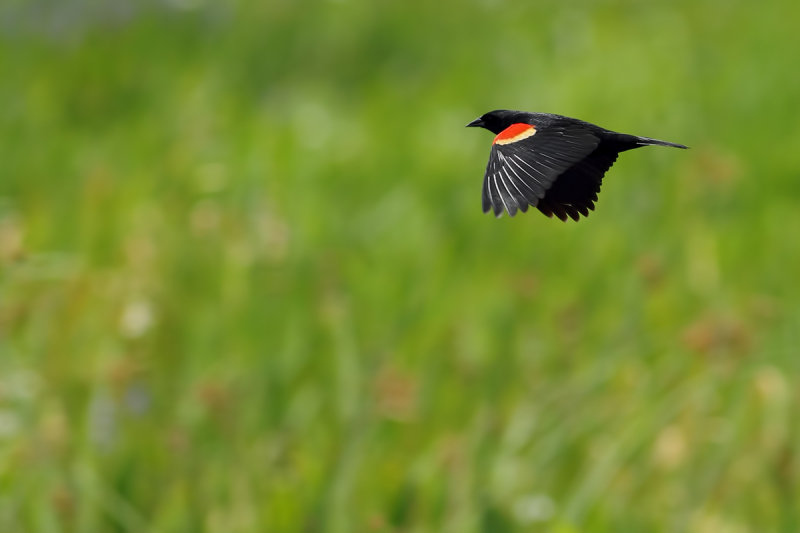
515,132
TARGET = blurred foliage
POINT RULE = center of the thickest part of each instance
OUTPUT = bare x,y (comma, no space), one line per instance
245,284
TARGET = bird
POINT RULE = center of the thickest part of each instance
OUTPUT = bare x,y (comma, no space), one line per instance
551,162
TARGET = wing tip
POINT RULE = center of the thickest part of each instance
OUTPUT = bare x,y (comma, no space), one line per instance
499,210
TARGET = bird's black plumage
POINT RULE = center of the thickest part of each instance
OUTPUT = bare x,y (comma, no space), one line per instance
550,162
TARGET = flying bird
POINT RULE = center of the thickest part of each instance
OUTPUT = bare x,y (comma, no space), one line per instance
551,162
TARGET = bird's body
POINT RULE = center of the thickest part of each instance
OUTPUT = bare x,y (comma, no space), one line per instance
550,162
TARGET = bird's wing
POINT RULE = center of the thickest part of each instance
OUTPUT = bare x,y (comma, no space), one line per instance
575,191
525,162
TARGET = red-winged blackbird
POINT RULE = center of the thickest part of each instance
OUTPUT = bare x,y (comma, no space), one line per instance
550,162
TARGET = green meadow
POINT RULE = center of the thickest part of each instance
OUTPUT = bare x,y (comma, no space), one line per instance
246,284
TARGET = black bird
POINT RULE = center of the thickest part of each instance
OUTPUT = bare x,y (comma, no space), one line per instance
550,162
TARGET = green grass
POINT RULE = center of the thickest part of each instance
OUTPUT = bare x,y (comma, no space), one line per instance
245,284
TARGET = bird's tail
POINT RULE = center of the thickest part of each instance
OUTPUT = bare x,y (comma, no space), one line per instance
645,141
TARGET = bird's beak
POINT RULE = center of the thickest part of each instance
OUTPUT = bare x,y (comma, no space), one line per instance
477,123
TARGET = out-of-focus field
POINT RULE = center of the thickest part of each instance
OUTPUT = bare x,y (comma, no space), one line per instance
246,286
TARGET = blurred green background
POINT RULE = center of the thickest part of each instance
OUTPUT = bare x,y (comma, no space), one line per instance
246,284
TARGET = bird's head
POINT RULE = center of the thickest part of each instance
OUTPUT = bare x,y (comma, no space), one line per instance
498,120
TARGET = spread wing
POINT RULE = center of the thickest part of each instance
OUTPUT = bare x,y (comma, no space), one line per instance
524,166
575,191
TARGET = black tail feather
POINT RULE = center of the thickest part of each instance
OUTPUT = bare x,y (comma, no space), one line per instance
645,141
